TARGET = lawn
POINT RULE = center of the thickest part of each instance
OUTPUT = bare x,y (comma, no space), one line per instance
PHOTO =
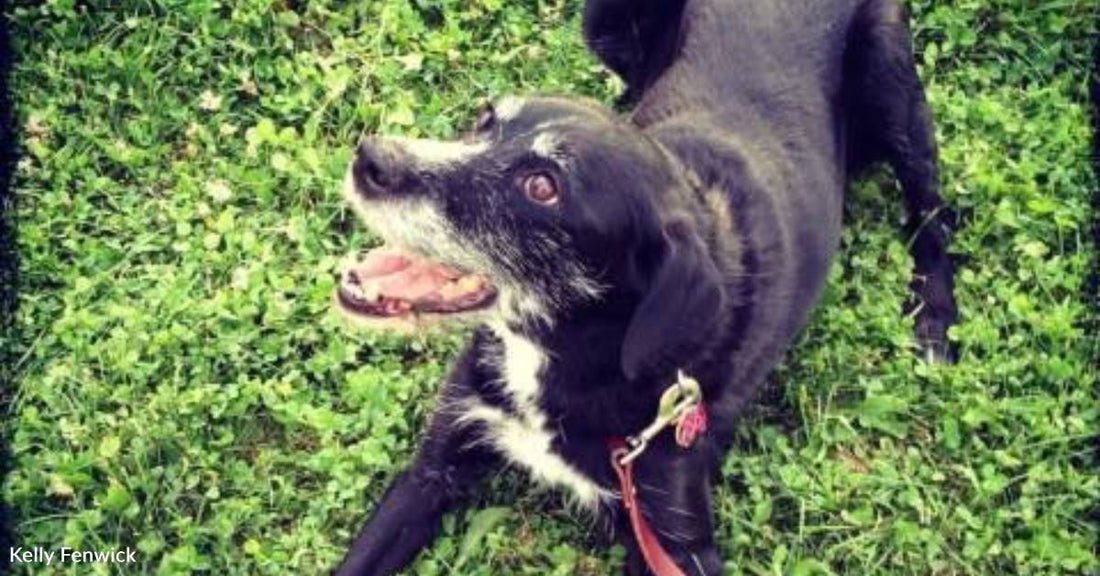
183,387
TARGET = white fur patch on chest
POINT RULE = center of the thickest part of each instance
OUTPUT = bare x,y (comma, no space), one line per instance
524,437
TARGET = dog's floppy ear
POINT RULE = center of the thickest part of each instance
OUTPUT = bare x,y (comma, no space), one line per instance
680,307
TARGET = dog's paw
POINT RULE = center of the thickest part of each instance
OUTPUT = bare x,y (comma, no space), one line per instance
933,345
936,352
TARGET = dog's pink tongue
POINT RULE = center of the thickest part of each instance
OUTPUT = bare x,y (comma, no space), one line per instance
385,275
387,282
380,263
415,282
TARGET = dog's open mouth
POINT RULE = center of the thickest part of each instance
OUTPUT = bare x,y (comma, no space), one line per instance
389,283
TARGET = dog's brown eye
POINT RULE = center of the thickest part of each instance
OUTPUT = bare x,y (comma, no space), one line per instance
486,118
541,189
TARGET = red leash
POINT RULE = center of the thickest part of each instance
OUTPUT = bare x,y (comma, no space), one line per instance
658,560
681,405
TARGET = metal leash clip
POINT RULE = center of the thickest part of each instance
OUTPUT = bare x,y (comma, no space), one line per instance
679,399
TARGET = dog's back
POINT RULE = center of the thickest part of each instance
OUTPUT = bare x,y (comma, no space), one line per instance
740,56
767,101
751,106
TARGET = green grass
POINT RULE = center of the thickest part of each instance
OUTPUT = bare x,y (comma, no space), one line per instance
185,389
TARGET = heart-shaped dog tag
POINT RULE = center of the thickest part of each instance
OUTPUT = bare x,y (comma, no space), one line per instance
691,425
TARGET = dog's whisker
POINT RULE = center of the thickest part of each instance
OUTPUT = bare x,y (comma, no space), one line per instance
651,488
680,511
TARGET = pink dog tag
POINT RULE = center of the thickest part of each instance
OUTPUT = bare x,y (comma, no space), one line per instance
692,425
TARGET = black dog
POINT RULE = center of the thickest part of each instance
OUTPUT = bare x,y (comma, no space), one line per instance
603,254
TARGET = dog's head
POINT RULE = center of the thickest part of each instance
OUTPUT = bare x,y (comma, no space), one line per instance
548,208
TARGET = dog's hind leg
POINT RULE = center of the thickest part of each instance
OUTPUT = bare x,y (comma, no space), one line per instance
637,39
889,120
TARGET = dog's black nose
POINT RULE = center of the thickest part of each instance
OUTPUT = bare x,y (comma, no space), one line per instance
379,167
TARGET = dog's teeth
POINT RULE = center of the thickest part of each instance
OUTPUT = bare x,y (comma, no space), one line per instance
354,286
461,287
395,307
470,283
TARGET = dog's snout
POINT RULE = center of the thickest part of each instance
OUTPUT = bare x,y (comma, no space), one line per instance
378,167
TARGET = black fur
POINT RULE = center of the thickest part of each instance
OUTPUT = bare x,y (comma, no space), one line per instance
637,39
695,235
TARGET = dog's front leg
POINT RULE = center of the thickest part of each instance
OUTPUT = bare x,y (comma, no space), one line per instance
449,461
673,488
